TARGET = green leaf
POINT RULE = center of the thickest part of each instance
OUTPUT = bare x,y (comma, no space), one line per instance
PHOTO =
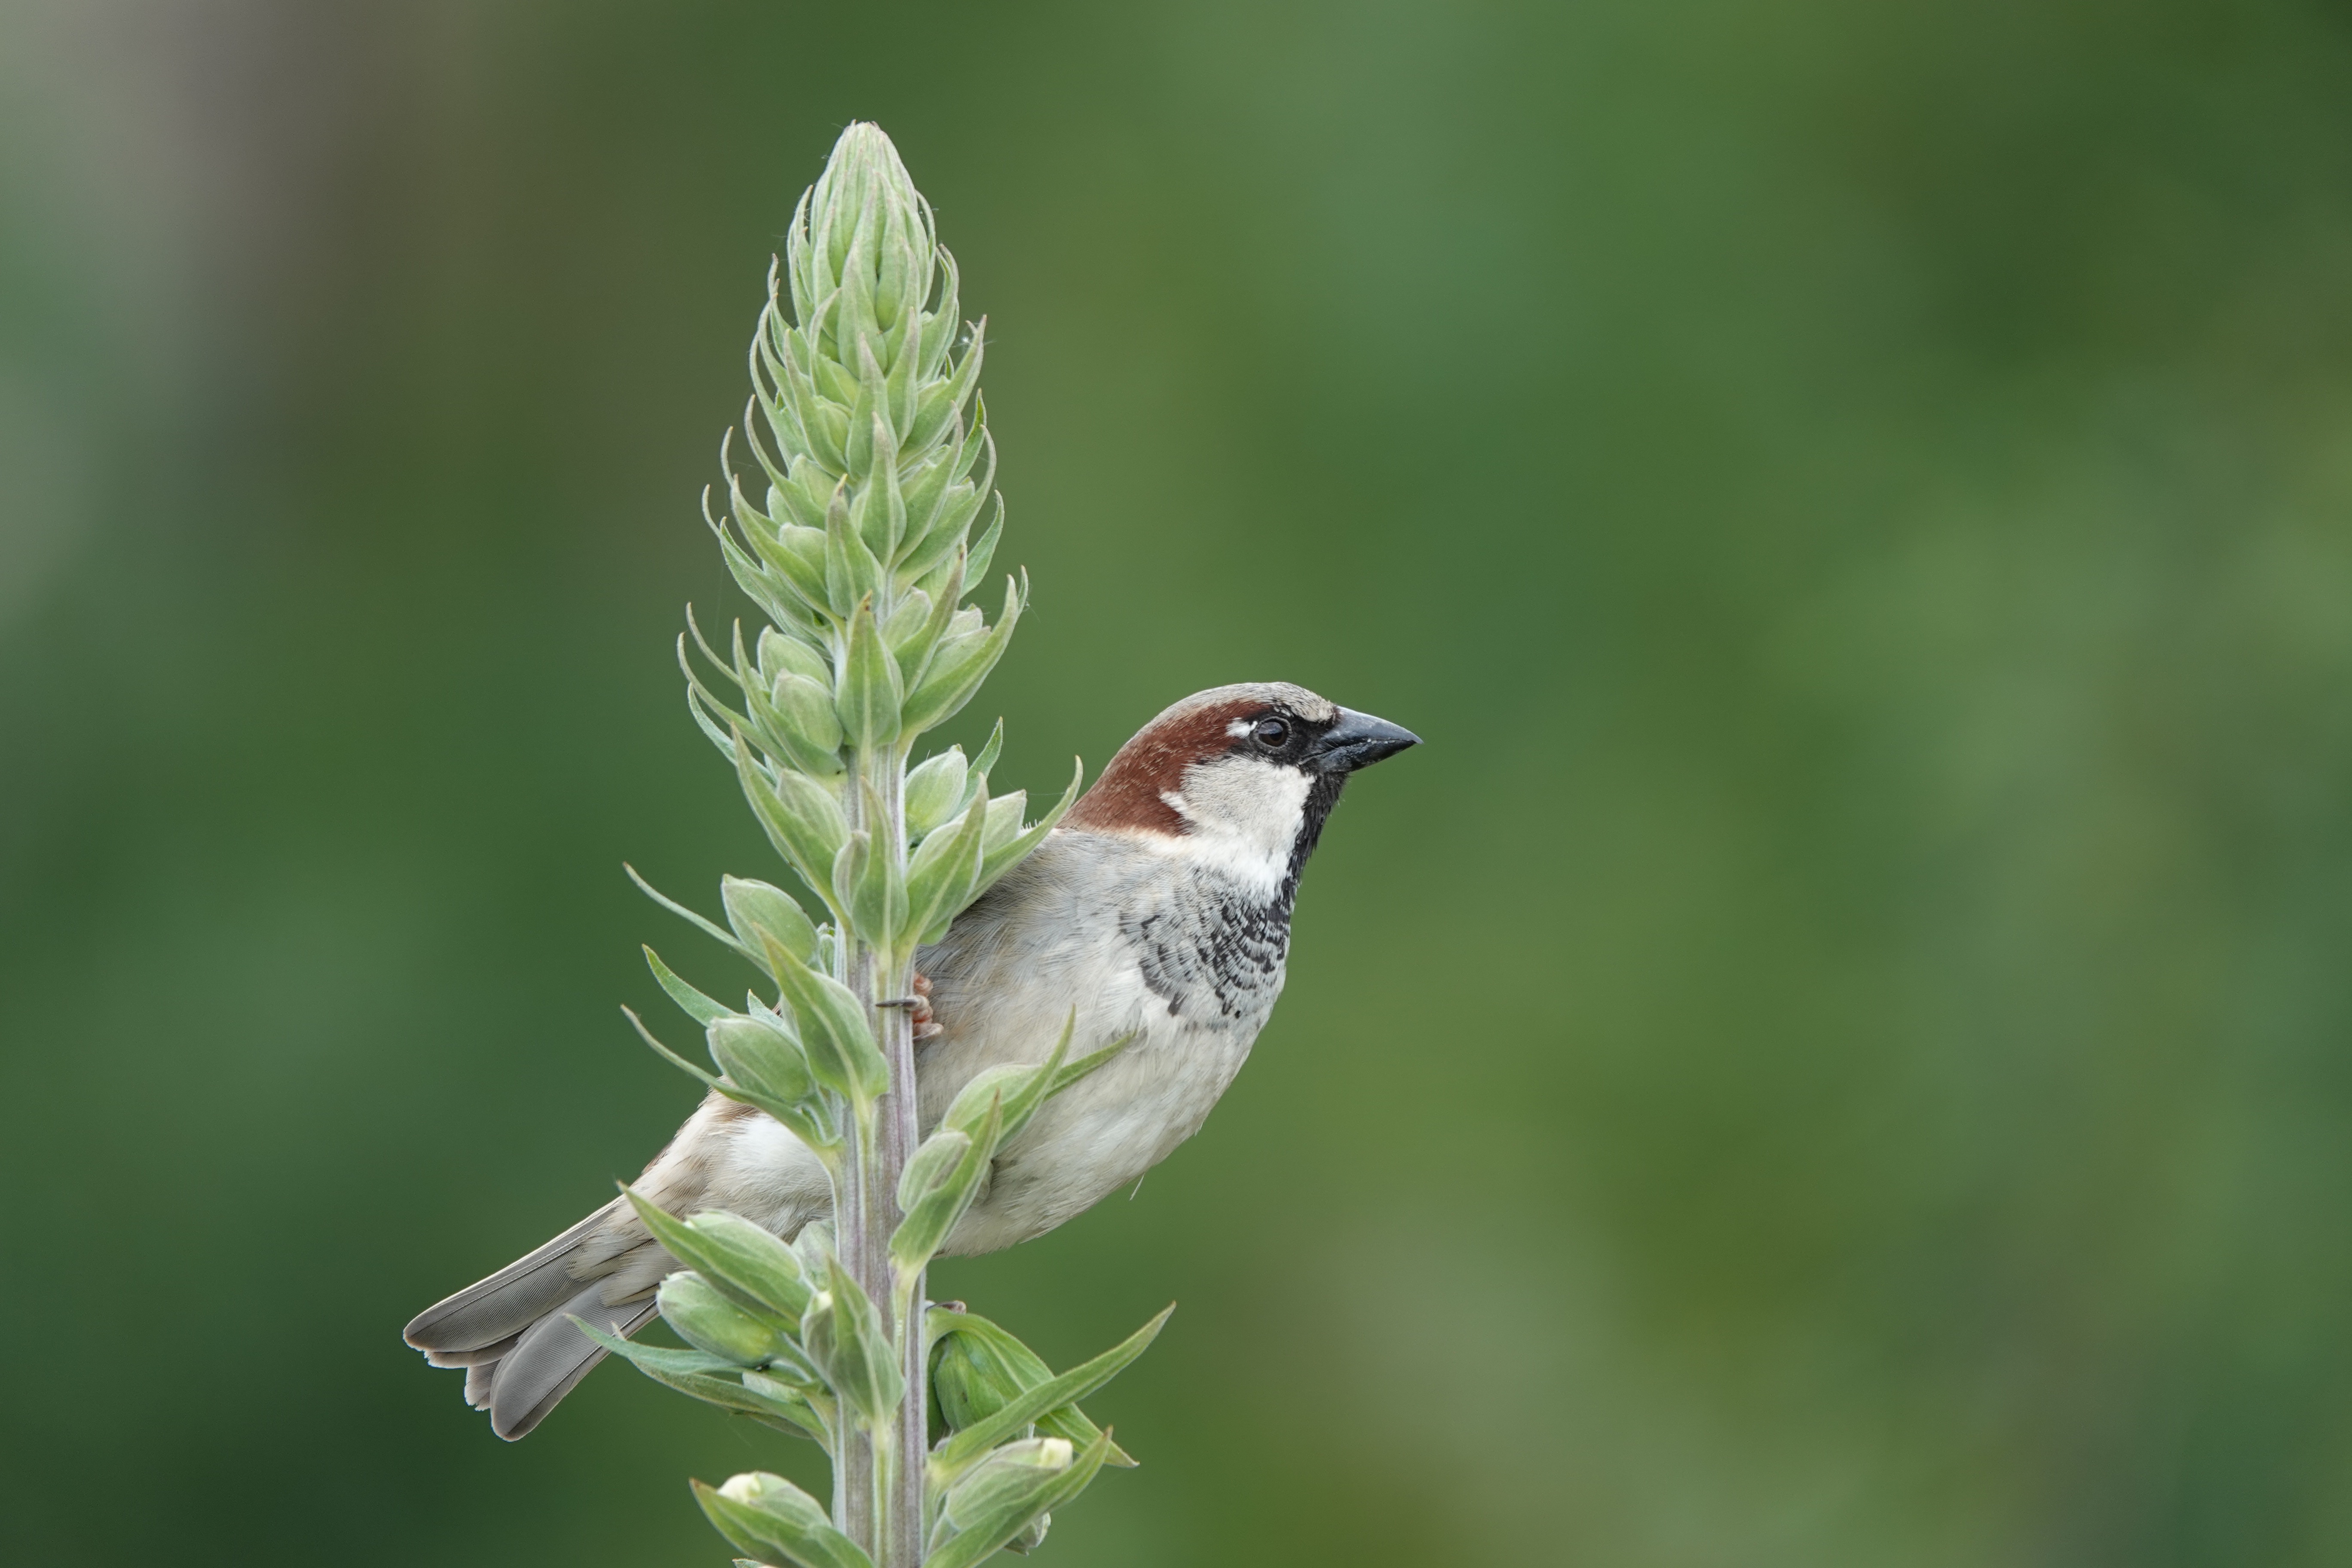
797,1411
801,711
709,1078
1024,1088
963,1449
760,1057
942,402
913,650
708,1318
906,619
956,671
985,763
999,858
879,511
936,1208
666,1368
755,906
1017,1484
780,652
674,907
811,1122
802,818
935,791
737,1257
869,878
945,871
851,572
871,692
983,549
978,1368
763,1515
930,1165
693,1003
833,1031
841,1333
661,1358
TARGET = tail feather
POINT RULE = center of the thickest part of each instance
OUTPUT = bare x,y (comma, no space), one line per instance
480,1378
509,1301
513,1333
553,1357
471,1358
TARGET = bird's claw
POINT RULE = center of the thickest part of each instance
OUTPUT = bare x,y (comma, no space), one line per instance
926,1027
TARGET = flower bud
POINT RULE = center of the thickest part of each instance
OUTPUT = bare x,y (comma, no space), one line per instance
907,621
934,790
1004,819
708,1322
807,706
779,654
754,907
843,1335
761,1057
931,1165
1003,1500
771,1519
971,1381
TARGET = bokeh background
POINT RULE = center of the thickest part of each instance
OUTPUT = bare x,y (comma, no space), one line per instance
1835,1052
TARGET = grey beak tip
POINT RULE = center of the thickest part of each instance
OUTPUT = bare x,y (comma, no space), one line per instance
1360,740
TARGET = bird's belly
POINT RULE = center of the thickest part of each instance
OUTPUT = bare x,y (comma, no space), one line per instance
1103,1132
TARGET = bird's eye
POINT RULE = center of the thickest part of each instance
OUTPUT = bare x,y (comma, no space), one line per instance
1271,734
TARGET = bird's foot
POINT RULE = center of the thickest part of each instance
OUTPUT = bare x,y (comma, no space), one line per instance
926,1027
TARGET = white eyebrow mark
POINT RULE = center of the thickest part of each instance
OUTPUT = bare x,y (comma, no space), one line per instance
1237,728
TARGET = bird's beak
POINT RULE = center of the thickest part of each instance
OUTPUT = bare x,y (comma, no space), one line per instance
1358,740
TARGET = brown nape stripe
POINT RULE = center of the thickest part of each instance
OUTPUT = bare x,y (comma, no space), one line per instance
1128,798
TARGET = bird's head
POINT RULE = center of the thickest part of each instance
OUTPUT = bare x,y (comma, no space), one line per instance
1245,773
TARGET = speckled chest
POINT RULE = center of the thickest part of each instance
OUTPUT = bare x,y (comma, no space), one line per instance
1212,949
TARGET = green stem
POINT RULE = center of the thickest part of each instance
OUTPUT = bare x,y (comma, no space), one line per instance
881,1492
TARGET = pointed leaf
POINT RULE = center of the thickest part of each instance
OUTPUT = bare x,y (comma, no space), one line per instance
978,1368
802,818
933,1213
1004,1500
707,1318
709,927
843,1335
759,1057
755,906
834,1030
967,1445
693,1003
738,1257
765,1515
999,858
956,673
871,693
944,871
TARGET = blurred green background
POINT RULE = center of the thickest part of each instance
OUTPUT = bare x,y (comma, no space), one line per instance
1835,1053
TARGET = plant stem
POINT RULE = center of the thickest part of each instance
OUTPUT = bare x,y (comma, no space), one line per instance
880,1490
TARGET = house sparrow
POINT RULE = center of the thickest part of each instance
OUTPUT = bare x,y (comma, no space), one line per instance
1161,907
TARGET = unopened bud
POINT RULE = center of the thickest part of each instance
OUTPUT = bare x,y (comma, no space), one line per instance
1005,818
930,1165
761,1057
779,653
807,706
755,906
934,790
708,1322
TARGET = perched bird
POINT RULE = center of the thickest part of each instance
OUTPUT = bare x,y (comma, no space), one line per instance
1159,908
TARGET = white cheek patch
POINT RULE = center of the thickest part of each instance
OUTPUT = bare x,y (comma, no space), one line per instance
1244,812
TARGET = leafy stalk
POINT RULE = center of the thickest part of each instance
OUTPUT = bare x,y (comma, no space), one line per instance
866,428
